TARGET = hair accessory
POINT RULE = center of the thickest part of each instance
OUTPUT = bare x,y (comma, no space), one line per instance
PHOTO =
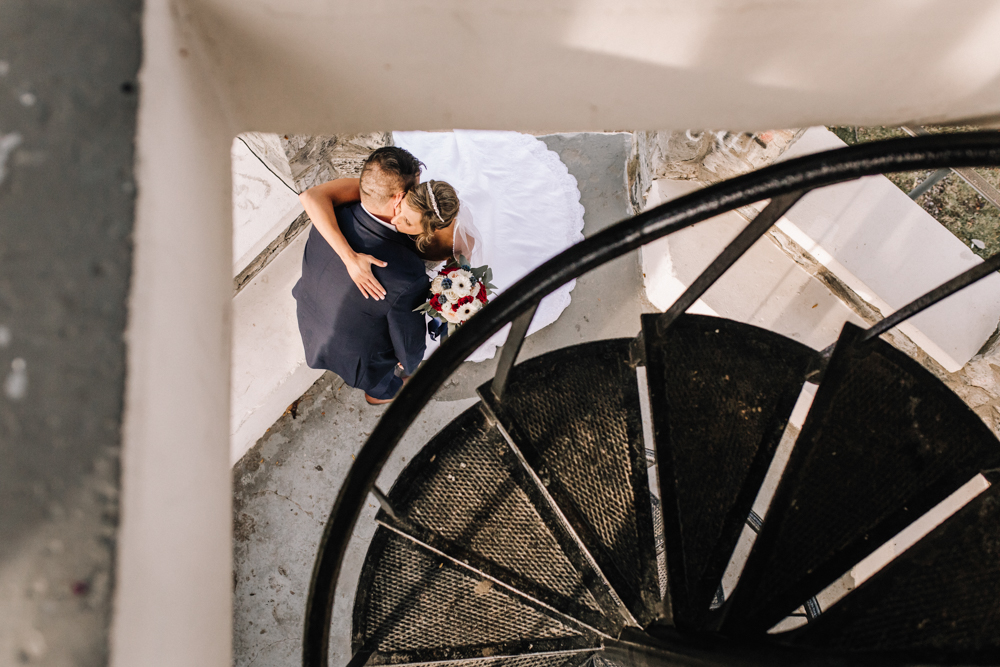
430,193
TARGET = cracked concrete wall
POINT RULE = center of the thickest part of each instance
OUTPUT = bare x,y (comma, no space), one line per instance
269,148
315,160
67,124
710,157
639,171
303,161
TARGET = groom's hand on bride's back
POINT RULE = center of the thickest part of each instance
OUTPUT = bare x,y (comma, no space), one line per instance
360,269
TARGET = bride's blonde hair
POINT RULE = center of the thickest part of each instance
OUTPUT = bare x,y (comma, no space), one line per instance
444,196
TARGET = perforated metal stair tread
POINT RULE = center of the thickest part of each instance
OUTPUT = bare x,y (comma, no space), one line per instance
573,658
938,600
420,608
574,415
883,443
720,396
467,488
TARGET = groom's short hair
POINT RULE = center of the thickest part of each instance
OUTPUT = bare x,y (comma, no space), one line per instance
388,171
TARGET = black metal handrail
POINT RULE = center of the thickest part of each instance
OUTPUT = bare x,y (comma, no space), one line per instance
801,174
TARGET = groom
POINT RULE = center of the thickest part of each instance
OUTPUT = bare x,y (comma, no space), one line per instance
360,339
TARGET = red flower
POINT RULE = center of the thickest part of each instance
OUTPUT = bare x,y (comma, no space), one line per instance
482,293
436,302
448,269
464,300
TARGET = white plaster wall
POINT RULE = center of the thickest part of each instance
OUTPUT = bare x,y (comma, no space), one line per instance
269,369
765,288
890,251
263,206
174,545
565,65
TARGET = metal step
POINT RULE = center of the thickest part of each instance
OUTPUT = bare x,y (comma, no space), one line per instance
939,601
883,443
599,659
574,416
419,607
467,492
481,568
720,395
531,658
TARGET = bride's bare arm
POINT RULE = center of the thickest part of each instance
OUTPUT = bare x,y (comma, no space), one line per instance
319,203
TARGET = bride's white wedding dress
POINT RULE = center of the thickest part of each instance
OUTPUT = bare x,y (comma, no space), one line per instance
520,206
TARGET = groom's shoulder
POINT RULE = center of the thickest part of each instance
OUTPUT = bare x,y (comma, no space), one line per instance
348,212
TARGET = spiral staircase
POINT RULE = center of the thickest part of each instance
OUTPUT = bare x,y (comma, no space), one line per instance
540,528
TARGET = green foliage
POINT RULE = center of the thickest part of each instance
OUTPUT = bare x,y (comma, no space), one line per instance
952,201
483,274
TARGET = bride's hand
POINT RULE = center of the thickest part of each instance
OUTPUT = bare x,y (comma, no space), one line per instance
359,266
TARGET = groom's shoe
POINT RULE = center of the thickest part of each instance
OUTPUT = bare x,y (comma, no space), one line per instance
377,401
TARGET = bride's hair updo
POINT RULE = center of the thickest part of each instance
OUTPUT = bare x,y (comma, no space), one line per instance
420,200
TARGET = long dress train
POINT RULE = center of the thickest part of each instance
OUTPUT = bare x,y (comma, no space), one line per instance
523,203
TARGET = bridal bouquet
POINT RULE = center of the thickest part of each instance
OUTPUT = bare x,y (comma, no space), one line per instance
458,291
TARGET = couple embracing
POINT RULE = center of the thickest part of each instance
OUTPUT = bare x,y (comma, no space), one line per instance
363,271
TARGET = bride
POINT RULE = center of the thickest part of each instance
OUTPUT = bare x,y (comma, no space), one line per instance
497,198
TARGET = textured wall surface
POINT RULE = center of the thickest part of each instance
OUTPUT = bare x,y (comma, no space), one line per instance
67,125
711,157
263,205
740,65
315,160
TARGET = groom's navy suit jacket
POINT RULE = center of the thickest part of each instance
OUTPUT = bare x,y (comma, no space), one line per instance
361,339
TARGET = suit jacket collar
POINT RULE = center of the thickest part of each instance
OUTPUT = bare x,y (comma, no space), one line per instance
374,227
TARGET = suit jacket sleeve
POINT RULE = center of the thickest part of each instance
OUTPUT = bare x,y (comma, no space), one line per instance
407,328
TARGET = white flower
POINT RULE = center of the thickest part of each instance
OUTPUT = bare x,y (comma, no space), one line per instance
436,285
462,282
450,315
467,310
452,295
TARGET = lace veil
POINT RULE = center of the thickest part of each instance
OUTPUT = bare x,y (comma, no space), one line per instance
468,242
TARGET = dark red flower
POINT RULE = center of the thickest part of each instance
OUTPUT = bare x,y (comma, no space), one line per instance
482,293
436,302
448,269
464,300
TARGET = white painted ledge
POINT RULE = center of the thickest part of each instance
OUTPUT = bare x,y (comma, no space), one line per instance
765,288
269,369
889,250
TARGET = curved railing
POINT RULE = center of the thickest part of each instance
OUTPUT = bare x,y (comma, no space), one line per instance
794,177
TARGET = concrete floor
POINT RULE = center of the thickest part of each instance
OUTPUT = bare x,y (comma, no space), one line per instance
286,484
